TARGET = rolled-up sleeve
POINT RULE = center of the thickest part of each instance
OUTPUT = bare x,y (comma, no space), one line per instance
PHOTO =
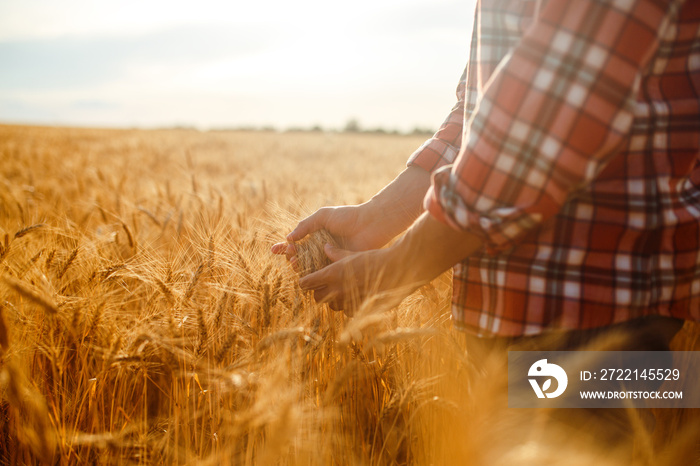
443,147
549,119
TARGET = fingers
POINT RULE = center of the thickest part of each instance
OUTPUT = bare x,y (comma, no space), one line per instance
335,254
329,286
313,222
315,281
323,287
287,249
333,298
279,248
326,295
290,251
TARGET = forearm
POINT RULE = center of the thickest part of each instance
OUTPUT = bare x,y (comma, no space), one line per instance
427,249
401,202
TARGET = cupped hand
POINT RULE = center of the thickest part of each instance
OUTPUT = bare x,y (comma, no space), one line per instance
354,276
370,225
353,227
390,274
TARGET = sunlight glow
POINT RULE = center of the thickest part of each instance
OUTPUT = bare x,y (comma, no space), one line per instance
388,63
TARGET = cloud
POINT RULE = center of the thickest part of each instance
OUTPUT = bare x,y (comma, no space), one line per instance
77,62
390,63
92,104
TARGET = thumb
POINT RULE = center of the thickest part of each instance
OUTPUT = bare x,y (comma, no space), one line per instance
313,222
335,253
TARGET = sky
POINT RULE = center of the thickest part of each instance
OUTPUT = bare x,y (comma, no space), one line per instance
218,64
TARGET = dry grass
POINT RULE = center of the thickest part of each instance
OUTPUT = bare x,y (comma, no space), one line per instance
310,252
143,319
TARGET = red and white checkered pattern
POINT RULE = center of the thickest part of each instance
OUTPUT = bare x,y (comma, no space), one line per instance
574,152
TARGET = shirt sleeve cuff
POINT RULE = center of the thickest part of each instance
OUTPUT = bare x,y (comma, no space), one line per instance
445,205
432,155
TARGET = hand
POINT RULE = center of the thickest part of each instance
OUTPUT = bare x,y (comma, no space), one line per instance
353,227
347,225
426,250
354,276
370,225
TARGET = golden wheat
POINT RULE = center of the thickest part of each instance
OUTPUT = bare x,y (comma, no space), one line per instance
310,252
143,319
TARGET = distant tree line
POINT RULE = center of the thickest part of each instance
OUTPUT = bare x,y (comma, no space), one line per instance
352,126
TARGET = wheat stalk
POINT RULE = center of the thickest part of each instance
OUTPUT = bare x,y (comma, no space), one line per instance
25,231
32,295
311,255
252,371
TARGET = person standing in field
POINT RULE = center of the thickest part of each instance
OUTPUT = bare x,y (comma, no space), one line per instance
563,188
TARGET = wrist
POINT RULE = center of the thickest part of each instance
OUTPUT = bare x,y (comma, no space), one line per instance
429,248
401,201
405,266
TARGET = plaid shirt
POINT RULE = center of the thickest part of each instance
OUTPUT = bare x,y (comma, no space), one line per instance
581,166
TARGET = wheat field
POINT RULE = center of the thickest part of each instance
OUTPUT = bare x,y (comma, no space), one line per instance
143,319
